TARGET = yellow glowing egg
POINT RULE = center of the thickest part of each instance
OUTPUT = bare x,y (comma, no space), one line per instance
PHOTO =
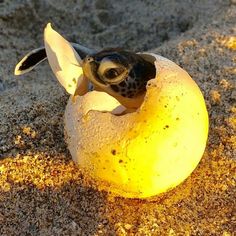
146,152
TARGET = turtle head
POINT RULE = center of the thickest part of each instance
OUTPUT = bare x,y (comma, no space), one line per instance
118,72
106,68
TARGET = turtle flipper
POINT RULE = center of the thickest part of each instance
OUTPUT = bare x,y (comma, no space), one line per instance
36,56
30,60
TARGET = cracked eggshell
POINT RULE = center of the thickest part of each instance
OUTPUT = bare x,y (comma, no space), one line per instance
64,62
149,151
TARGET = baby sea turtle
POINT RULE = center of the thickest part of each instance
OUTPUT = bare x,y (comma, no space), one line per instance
121,73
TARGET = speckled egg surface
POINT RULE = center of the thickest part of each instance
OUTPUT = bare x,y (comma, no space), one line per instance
149,151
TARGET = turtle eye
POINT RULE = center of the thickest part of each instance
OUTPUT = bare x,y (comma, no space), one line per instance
113,72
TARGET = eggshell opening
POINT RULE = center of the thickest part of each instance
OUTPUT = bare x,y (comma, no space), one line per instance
146,152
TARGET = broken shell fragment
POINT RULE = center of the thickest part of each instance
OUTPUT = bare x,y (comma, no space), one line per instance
64,62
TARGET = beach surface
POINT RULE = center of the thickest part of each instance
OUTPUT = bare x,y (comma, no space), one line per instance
42,192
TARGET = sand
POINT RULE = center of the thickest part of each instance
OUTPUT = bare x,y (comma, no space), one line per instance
42,192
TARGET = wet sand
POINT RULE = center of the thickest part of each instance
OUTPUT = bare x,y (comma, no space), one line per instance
42,192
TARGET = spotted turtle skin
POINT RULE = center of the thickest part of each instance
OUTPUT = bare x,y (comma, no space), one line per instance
139,71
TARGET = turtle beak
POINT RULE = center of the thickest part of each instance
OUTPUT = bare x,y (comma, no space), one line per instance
90,67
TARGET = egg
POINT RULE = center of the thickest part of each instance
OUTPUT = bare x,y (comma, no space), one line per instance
145,152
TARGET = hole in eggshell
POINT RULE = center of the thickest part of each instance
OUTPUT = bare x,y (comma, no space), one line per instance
120,110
